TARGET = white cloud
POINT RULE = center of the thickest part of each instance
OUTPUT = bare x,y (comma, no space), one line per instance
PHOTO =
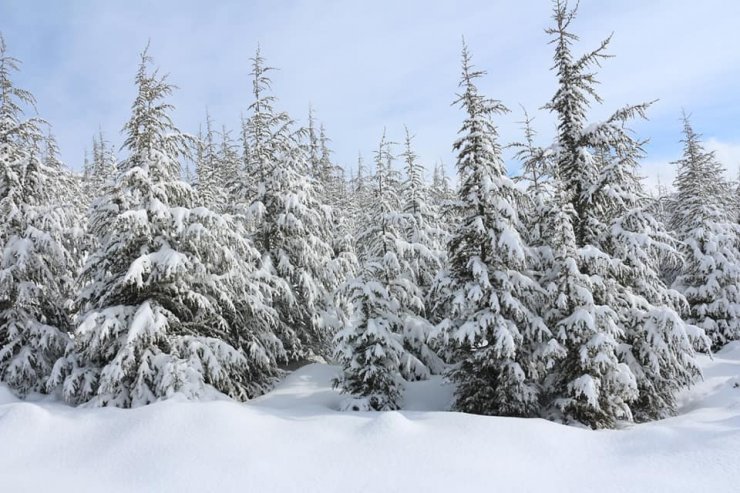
366,65
659,173
727,153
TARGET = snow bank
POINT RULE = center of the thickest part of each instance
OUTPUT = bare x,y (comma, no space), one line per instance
293,439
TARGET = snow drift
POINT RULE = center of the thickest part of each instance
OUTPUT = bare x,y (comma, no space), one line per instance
295,439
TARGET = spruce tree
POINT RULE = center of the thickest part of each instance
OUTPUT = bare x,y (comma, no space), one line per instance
370,346
641,339
588,384
167,292
98,173
314,147
35,270
385,330
208,179
501,342
658,345
68,195
577,143
536,174
291,227
229,164
423,233
710,275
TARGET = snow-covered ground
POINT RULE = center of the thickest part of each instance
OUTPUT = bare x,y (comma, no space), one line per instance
294,439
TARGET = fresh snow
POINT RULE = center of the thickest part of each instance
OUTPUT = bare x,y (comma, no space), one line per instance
295,439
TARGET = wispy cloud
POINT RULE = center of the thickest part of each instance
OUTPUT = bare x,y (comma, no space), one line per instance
366,65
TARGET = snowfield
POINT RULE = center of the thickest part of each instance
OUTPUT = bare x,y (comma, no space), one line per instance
294,439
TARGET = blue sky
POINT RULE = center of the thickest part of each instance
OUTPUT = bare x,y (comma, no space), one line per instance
374,64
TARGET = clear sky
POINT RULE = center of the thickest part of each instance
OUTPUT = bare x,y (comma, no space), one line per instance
366,65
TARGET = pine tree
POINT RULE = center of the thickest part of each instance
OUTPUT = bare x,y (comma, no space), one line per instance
34,271
589,384
70,204
502,343
335,201
710,277
426,238
314,147
445,206
358,197
69,196
229,164
442,192
167,295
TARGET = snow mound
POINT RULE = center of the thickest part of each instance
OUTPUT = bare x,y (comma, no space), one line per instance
294,439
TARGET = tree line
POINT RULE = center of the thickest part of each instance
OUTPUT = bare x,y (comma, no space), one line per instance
210,263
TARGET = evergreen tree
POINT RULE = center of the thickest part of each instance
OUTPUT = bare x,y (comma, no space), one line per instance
168,285
69,196
633,317
370,346
441,190
208,179
577,143
427,239
385,330
588,384
536,174
229,164
424,255
66,197
710,276
101,171
358,198
502,343
291,227
658,344
34,263
314,147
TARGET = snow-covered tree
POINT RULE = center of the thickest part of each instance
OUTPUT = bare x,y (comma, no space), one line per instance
385,333
441,190
710,275
100,172
313,147
536,171
291,227
502,344
208,181
168,299
35,270
358,197
370,346
632,334
588,384
658,345
70,197
578,143
229,162
426,238
332,194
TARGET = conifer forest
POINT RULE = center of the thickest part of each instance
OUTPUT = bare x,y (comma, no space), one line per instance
272,319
